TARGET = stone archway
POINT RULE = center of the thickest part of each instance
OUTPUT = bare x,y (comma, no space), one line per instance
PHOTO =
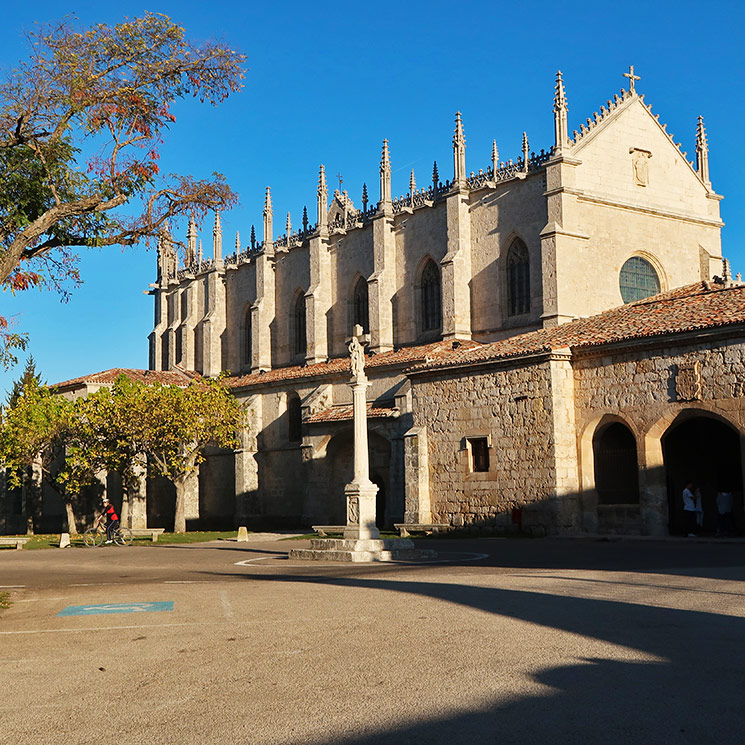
340,469
707,451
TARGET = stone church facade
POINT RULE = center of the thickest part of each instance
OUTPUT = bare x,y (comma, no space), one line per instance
512,384
447,270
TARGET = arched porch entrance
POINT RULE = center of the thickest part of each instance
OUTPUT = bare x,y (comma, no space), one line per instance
706,451
340,465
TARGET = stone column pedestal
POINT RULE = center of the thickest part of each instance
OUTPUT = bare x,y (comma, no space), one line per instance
361,511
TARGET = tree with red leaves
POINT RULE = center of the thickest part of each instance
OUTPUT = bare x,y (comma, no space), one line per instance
105,90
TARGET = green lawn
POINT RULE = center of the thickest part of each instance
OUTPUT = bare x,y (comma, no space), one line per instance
51,540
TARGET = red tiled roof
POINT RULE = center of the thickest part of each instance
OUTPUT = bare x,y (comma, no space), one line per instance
345,413
403,356
107,377
690,308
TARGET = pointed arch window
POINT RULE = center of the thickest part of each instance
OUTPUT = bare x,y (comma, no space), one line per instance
247,340
518,279
431,305
301,343
360,306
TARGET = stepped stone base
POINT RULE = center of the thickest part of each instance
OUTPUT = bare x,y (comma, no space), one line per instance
358,550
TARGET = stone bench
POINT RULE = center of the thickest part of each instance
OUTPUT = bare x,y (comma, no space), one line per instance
323,530
427,528
14,540
154,533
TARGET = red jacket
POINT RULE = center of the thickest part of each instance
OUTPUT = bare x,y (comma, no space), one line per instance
110,513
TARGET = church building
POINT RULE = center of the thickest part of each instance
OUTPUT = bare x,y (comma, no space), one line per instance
512,384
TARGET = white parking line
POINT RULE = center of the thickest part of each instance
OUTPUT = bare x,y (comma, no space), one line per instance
11,587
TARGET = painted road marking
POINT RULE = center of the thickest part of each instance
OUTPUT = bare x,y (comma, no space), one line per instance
459,556
11,587
94,610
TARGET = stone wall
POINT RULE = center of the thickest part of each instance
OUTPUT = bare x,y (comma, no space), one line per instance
512,407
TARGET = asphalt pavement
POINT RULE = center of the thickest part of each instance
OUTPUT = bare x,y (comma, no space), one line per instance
498,641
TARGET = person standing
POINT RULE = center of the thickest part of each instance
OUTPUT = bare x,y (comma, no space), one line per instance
724,512
689,509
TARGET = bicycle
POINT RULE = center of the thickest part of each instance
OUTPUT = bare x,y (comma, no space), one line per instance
96,535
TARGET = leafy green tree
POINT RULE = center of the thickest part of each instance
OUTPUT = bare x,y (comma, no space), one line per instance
29,375
184,422
32,440
81,124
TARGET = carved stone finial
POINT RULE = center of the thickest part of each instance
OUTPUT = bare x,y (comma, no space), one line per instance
288,228
702,152
385,175
305,219
268,219
253,238
237,242
526,152
200,254
191,241
217,239
323,201
435,175
561,130
726,273
494,159
459,152
632,79
412,187
364,198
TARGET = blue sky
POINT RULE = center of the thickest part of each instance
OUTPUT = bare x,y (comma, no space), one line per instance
327,82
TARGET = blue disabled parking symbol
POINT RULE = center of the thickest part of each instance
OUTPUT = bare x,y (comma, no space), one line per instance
102,608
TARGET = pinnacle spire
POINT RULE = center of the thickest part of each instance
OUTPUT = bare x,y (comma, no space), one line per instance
561,130
459,152
385,175
288,228
494,159
702,152
217,238
237,242
323,206
268,219
412,188
191,241
526,152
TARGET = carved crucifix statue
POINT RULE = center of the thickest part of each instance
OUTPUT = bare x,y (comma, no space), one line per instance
361,491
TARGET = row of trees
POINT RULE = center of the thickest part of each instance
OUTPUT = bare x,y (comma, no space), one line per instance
45,437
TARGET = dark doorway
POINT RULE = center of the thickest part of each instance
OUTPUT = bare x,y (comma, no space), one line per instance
707,452
616,468
380,502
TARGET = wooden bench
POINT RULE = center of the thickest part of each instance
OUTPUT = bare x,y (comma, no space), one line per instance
427,528
324,530
154,533
14,540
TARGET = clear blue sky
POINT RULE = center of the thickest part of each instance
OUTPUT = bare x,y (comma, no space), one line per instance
327,82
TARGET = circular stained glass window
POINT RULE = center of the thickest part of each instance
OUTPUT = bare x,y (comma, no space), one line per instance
638,280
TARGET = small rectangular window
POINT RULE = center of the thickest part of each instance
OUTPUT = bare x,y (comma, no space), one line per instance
479,454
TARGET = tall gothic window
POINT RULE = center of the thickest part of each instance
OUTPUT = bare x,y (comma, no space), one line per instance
301,343
179,345
518,279
360,308
247,341
430,299
294,418
638,280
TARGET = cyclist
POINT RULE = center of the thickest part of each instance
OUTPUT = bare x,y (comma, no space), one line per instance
112,519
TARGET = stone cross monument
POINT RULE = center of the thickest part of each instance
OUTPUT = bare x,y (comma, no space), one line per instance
361,491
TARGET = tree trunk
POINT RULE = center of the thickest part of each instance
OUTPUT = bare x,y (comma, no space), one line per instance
179,518
72,527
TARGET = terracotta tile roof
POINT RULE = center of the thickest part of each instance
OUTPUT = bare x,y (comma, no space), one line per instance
346,413
107,377
691,308
404,356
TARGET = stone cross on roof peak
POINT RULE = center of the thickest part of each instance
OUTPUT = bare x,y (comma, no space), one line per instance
632,78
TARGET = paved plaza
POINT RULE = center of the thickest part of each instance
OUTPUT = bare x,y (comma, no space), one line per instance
501,641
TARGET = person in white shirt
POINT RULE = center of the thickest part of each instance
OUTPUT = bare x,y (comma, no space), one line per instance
689,509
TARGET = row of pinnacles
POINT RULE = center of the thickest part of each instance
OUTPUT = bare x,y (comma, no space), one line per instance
342,219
